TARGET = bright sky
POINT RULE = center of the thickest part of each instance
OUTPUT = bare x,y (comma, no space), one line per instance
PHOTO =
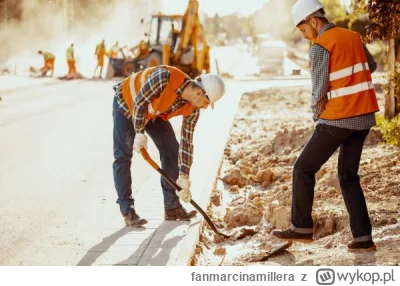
346,2
210,7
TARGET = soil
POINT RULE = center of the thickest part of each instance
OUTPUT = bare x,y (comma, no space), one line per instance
252,195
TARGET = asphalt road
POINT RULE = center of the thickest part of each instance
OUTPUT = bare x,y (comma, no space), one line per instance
55,170
57,197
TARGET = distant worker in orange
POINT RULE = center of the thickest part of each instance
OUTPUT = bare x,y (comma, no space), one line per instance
140,51
49,59
71,61
100,53
113,52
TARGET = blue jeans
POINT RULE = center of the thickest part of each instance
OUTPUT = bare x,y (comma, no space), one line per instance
163,135
320,147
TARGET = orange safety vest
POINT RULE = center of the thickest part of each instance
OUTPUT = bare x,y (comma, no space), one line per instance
132,85
351,92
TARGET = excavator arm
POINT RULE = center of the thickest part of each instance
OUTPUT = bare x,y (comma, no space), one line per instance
189,24
192,39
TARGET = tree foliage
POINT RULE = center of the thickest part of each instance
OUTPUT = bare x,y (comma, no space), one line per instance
384,17
353,18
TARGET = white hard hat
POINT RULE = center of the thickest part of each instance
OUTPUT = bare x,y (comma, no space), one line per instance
302,9
213,85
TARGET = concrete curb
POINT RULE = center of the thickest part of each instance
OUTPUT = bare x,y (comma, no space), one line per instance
224,113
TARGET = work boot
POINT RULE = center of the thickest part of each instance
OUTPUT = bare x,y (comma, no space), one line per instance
179,214
361,246
291,235
132,219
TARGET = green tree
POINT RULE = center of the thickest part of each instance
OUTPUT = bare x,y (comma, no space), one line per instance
353,18
384,17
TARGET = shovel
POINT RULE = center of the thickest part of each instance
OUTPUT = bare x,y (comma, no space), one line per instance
146,156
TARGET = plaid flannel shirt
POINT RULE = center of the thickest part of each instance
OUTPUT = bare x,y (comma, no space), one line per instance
319,58
155,84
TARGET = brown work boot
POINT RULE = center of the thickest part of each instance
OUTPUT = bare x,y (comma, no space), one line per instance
291,235
179,214
132,219
361,246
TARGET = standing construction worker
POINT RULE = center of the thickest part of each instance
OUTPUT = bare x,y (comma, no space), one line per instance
144,102
71,61
343,103
100,53
49,59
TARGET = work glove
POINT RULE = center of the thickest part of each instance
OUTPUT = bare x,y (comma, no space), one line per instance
184,194
140,142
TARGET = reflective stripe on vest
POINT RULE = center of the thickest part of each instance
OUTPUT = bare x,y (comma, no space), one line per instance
348,71
350,89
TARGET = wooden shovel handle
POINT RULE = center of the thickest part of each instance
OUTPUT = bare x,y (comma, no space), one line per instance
146,156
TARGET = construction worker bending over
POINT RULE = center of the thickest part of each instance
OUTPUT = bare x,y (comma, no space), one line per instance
144,102
71,61
343,103
49,59
100,53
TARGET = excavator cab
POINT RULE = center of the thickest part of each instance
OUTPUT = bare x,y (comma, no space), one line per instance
164,30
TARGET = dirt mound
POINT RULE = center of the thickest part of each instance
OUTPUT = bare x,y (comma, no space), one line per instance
270,129
4,71
243,215
286,141
74,76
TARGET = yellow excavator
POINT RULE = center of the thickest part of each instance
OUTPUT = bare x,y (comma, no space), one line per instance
176,40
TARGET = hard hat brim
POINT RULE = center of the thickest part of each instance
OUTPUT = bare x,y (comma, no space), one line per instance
199,84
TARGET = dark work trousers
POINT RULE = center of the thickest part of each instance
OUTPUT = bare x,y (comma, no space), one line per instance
163,135
320,147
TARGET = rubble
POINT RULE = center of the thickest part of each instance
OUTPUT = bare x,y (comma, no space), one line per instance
77,75
269,131
243,215
235,177
220,251
4,71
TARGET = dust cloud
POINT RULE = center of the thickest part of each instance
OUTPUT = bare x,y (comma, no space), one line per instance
52,25
275,20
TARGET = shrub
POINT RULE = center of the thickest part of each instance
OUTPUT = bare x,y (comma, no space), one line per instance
390,129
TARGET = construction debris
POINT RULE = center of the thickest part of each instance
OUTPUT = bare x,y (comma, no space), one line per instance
269,131
77,75
4,71
36,72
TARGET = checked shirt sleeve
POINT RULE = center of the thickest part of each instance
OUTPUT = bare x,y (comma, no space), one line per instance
186,146
319,58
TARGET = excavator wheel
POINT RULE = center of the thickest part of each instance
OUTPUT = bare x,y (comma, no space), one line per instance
154,59
128,69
